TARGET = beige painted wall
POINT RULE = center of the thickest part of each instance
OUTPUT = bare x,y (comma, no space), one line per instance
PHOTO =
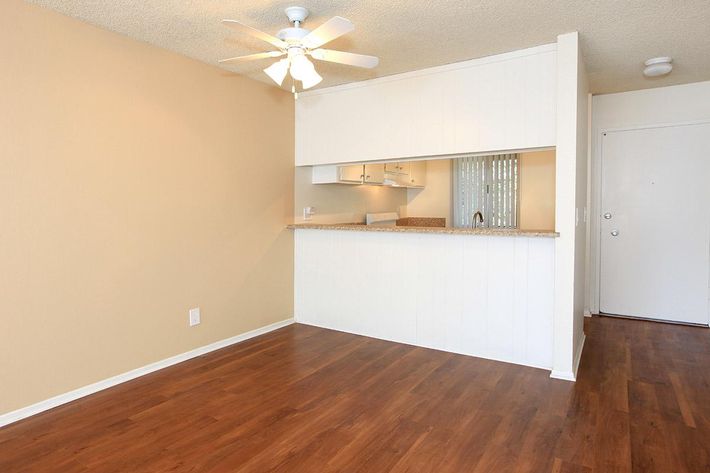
339,203
435,200
134,185
537,190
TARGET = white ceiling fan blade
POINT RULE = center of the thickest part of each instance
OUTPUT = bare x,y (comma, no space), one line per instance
328,31
256,33
359,60
252,57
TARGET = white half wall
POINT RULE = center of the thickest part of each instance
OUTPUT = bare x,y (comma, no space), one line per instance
678,104
485,296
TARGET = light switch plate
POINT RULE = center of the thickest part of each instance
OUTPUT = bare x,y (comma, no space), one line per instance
308,212
194,316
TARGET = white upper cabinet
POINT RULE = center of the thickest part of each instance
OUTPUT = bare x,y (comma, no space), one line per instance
397,168
503,102
332,174
417,174
374,173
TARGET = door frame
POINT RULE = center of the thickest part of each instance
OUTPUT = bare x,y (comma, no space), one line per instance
594,277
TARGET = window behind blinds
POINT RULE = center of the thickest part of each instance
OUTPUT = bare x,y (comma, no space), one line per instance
488,184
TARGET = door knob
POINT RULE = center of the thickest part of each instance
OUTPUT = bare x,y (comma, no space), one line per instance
607,216
615,233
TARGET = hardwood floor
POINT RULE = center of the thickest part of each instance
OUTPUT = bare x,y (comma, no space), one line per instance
303,399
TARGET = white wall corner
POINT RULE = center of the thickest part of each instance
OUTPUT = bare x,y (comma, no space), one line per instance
565,208
571,375
22,413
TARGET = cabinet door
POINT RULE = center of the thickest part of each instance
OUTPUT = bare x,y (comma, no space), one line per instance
351,173
397,168
417,174
374,173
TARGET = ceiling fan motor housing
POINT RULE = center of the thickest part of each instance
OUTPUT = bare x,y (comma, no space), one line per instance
292,34
296,14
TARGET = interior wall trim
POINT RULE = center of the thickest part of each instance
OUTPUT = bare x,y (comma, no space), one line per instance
571,375
24,412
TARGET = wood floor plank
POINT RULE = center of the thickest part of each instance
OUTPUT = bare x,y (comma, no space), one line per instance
305,399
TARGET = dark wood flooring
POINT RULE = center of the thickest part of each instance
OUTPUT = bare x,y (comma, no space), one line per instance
304,399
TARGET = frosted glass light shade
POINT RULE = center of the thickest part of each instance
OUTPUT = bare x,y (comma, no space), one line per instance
277,71
311,79
300,67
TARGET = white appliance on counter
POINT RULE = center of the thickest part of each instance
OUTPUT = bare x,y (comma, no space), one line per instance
382,219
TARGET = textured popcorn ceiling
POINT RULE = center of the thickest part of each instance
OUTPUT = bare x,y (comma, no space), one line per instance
616,35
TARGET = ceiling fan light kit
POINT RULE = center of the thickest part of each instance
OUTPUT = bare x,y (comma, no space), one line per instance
297,44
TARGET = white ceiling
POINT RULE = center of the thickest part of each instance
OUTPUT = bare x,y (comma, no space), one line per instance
616,35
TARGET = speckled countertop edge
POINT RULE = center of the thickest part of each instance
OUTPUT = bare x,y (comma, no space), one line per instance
355,227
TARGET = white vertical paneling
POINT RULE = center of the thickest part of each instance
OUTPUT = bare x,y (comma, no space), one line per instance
439,291
539,98
540,278
520,298
495,103
429,99
474,326
404,294
478,295
500,271
514,106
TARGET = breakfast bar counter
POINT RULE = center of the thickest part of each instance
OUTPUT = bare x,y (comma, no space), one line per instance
359,227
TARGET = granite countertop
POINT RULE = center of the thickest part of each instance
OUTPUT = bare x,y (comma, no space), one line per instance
359,227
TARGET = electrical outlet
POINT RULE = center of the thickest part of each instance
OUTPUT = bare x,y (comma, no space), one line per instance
194,316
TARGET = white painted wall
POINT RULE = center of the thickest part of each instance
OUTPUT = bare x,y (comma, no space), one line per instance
485,296
571,162
496,103
581,211
659,106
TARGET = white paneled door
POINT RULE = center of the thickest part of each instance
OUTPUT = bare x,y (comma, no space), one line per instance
655,223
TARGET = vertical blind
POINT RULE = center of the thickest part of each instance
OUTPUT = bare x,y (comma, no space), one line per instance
488,184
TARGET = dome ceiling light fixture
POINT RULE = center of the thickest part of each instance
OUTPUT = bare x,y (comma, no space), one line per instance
297,43
658,66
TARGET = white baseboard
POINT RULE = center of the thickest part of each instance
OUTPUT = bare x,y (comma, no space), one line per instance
571,375
587,313
563,375
55,401
578,355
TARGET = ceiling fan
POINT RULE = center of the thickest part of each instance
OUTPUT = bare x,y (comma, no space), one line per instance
297,43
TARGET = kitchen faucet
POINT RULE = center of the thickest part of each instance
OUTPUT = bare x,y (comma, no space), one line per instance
474,222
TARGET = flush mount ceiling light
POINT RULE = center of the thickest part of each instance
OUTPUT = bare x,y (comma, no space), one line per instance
297,44
658,66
